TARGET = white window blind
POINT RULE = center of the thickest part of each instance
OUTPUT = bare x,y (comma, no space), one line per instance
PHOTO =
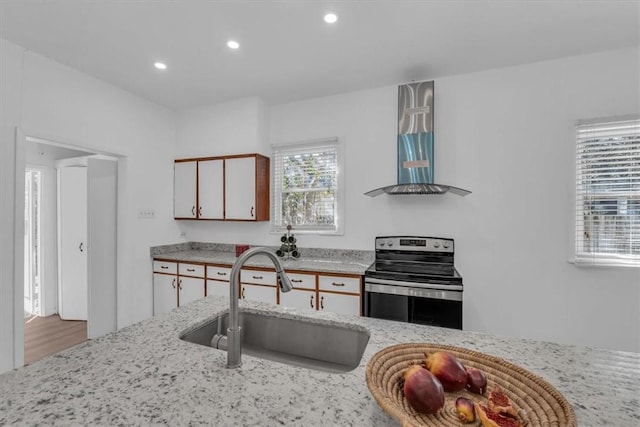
608,192
307,187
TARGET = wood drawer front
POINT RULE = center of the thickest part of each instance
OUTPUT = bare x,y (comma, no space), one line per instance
339,284
218,273
165,267
194,270
258,277
302,281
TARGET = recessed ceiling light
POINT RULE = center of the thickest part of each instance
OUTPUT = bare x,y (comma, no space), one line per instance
233,44
160,65
330,18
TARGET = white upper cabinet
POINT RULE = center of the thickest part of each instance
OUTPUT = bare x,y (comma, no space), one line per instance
233,188
185,184
211,189
241,188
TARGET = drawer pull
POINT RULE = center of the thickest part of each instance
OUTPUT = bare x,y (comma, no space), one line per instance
257,277
164,267
221,274
191,269
296,280
337,284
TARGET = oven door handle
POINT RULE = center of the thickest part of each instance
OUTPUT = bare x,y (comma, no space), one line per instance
378,288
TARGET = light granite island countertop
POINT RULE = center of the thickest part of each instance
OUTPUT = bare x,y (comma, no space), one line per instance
145,375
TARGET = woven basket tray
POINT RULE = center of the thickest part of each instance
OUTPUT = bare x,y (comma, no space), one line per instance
539,402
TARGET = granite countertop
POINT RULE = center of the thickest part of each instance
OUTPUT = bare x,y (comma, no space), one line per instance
312,259
144,374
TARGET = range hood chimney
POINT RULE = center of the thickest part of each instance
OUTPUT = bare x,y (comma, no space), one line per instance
415,144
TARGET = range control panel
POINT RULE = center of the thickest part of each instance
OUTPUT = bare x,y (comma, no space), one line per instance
420,244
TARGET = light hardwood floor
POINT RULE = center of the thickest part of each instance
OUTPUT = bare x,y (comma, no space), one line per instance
44,336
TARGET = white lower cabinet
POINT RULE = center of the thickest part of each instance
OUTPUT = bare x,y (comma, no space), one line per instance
165,297
190,289
297,298
339,303
258,293
178,283
218,288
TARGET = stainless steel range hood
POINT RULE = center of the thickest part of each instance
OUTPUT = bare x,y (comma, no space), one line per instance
415,144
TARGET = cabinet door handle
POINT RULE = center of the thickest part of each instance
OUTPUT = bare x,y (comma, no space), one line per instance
193,211
311,302
296,280
179,284
81,247
257,277
173,283
191,269
221,274
251,211
243,292
200,211
322,303
337,284
164,267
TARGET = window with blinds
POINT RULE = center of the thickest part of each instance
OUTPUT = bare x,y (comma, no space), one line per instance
608,192
307,187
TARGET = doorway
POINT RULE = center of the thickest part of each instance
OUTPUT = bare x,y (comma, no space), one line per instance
32,238
45,331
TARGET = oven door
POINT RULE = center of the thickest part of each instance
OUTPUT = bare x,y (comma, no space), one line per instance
414,303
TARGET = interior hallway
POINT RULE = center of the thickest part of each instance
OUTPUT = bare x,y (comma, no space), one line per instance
44,336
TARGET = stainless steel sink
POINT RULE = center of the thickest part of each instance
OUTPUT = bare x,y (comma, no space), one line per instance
304,342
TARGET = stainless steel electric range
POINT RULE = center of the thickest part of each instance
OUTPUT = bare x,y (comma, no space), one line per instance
413,279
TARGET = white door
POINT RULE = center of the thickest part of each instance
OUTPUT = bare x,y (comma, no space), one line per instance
165,294
210,189
338,303
300,299
258,293
240,194
184,189
101,251
190,289
72,255
218,288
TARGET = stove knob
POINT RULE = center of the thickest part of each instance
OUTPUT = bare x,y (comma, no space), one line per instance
381,243
436,245
389,243
445,245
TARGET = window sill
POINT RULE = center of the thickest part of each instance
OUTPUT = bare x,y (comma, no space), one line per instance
604,263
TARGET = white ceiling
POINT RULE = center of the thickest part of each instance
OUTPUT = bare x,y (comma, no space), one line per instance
289,53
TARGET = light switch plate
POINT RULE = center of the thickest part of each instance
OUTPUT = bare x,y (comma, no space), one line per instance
146,213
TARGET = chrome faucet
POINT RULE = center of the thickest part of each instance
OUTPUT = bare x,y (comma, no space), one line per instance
234,350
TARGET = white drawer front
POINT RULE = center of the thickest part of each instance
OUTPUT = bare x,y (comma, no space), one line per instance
218,273
302,281
339,284
165,267
258,277
191,270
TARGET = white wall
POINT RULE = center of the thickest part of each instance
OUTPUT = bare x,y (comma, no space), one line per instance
48,100
506,135
235,127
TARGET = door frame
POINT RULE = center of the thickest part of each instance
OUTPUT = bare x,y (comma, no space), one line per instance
21,138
